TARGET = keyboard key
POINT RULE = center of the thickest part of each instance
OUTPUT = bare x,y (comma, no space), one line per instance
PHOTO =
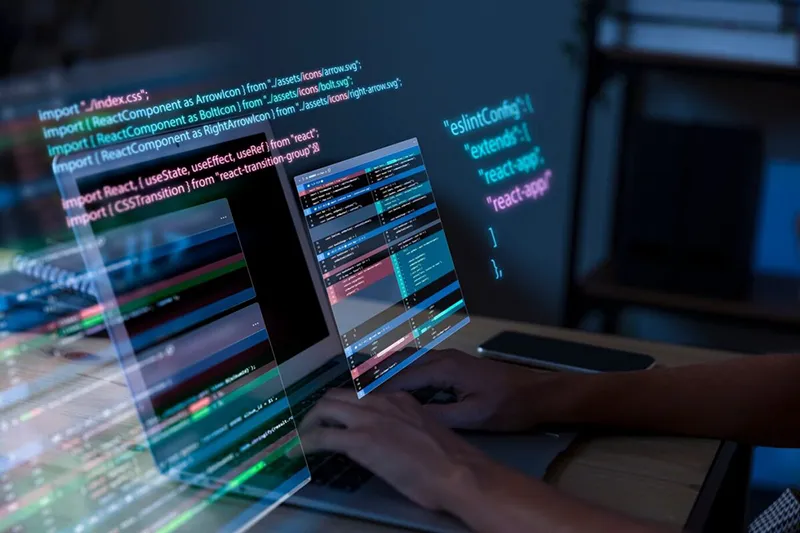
443,397
330,469
315,460
434,395
337,471
352,478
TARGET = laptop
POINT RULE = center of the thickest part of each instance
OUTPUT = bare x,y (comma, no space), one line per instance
182,280
354,281
391,289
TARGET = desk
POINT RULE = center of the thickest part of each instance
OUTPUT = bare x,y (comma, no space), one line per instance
653,478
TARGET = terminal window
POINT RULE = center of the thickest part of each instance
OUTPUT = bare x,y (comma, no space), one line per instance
204,379
203,376
384,259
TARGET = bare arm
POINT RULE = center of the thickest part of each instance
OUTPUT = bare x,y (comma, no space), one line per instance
499,500
392,435
753,399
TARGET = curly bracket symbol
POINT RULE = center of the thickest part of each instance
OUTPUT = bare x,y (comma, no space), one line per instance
498,272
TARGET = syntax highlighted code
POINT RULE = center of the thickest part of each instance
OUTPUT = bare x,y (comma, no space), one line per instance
510,138
507,110
108,201
115,119
533,190
525,164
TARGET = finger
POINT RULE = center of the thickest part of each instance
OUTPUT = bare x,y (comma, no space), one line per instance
342,395
377,404
430,371
330,410
322,439
459,415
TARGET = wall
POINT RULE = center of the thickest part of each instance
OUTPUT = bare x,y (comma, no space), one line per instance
453,58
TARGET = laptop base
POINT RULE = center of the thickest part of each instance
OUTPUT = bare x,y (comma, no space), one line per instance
378,502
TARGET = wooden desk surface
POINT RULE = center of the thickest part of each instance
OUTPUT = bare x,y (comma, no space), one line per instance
653,478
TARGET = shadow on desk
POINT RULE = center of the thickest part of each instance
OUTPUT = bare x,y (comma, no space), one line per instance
723,501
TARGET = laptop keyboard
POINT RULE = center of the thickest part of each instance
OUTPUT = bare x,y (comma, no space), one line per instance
335,470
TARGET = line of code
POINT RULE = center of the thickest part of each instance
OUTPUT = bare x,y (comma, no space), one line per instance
532,190
498,139
119,119
109,201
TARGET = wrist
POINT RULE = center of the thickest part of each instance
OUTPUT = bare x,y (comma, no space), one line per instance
555,397
467,496
483,491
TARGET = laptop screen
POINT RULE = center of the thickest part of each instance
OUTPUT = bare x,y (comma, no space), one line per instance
384,259
200,252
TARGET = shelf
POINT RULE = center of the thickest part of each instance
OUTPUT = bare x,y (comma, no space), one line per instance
634,58
718,34
759,40
773,300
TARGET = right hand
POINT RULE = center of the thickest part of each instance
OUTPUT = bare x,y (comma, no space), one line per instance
491,395
392,436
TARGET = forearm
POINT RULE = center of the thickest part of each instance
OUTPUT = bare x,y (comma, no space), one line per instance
493,499
753,399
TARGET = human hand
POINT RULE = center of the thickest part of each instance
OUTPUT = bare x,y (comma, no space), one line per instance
491,395
391,435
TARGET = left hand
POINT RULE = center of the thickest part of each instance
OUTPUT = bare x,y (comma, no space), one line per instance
391,435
